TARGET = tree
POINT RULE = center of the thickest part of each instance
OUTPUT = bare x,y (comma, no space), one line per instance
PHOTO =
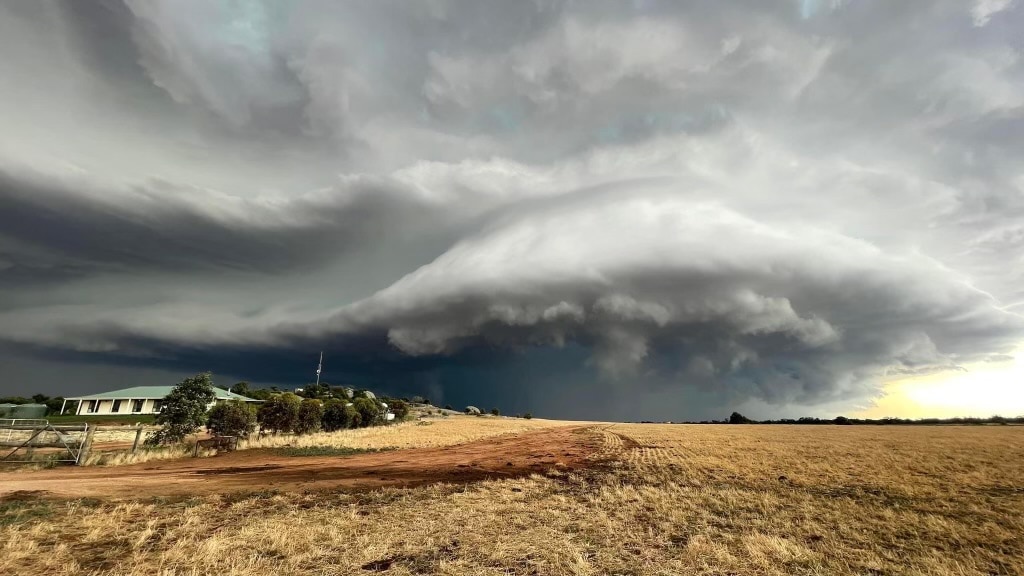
261,393
495,412
40,398
369,411
234,418
316,390
737,418
338,415
53,405
342,392
184,410
241,388
528,416
448,407
280,412
311,413
399,408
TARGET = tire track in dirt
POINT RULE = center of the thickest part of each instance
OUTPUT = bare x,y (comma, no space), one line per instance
566,448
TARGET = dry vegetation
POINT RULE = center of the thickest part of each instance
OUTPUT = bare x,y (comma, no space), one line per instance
661,499
428,433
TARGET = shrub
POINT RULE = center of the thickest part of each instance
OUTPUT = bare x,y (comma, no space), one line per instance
184,410
737,418
235,418
280,413
448,407
495,412
335,417
311,413
399,408
369,411
355,419
527,415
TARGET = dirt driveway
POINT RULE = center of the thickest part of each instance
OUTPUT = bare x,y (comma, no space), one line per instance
253,470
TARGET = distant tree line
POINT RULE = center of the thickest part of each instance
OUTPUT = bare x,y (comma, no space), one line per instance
737,418
52,404
314,408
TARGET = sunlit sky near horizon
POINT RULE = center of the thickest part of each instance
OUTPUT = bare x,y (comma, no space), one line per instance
606,210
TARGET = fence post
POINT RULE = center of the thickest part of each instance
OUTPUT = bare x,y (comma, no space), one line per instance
83,454
138,437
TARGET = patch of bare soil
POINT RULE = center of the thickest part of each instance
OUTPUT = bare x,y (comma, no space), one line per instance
255,470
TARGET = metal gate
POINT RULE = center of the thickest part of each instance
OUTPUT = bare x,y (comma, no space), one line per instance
25,436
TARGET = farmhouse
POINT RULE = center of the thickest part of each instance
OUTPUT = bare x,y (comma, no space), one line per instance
137,400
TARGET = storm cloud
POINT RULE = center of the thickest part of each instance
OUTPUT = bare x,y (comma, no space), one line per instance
608,210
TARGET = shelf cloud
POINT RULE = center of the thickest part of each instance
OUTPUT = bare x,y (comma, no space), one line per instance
607,210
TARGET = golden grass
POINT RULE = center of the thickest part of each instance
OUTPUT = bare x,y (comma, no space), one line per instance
760,500
427,433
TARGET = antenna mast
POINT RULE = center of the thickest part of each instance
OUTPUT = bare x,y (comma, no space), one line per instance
319,367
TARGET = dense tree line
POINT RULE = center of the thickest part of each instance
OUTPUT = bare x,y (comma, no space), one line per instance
737,418
53,405
324,407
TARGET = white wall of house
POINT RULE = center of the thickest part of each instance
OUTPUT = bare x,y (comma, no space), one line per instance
127,406
108,406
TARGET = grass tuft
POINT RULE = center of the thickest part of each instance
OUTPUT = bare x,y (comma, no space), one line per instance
327,450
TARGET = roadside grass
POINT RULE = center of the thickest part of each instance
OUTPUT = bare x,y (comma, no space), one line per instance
660,499
327,451
111,446
441,432
24,509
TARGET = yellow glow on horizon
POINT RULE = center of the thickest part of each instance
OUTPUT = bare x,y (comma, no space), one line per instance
984,390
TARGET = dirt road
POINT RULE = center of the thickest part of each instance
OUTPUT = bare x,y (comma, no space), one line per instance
253,470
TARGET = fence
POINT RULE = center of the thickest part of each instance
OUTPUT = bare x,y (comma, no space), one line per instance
66,443
218,443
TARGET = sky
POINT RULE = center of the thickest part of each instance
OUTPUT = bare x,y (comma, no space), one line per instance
607,210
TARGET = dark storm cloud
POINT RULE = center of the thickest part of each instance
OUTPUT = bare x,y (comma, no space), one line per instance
149,227
662,208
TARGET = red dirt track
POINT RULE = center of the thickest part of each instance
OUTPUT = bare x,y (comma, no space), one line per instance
253,470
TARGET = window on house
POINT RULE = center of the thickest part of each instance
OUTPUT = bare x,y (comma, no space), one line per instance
137,405
94,406
157,405
116,407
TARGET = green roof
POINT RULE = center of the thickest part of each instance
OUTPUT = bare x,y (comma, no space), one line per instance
155,392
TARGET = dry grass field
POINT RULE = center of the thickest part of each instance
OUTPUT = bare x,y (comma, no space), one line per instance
428,433
110,448
651,499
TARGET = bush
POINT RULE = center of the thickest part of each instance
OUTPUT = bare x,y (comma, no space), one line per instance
184,410
280,413
737,418
335,416
527,415
448,407
235,418
355,419
495,412
311,413
369,411
399,408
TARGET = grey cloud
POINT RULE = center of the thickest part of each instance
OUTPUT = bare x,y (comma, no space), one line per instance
767,203
788,313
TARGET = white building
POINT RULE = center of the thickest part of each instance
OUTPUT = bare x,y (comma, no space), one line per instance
137,400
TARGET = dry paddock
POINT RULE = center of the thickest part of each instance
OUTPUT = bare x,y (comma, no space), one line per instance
632,499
